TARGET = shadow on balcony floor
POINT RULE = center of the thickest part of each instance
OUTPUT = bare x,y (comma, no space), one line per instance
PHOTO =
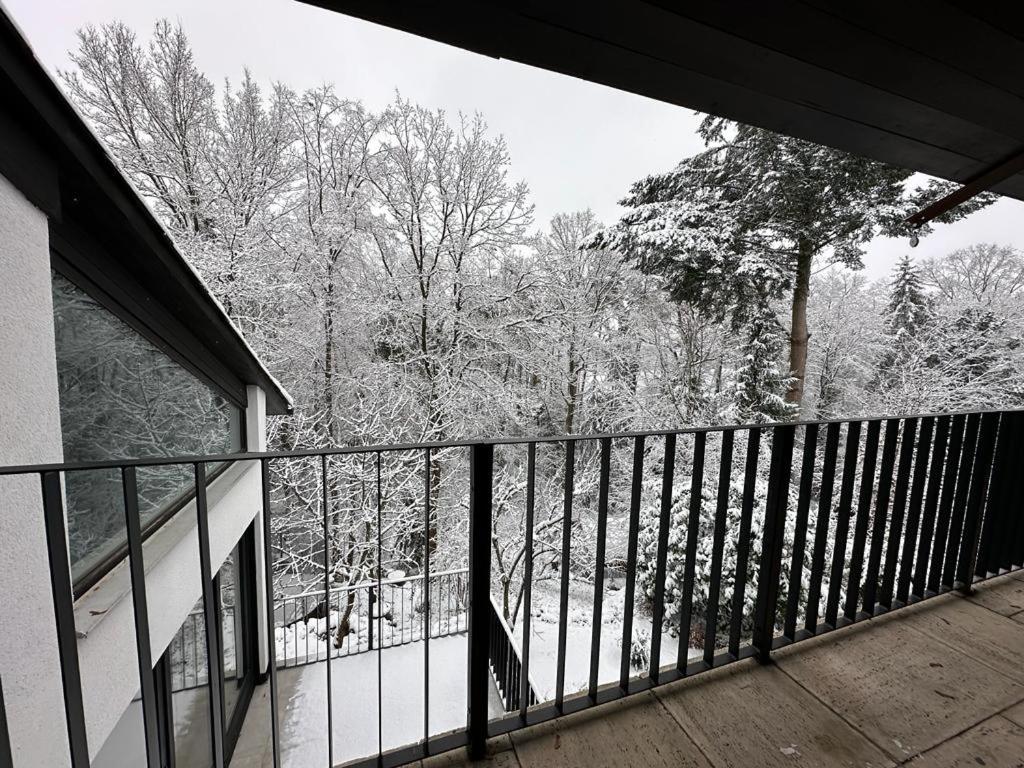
938,684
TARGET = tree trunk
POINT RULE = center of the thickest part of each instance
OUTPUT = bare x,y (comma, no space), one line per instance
799,336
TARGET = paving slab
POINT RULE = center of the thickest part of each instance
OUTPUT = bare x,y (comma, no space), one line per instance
994,640
1015,714
499,755
1004,595
997,742
899,686
748,714
636,731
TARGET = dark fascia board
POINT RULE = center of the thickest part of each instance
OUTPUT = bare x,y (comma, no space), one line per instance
755,71
88,264
104,203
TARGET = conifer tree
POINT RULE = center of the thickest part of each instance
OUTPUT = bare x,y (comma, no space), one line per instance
908,304
759,396
747,217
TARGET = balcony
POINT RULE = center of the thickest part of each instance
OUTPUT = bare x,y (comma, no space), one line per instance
820,593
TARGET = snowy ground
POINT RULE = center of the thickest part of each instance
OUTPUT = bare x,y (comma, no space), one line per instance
302,705
544,637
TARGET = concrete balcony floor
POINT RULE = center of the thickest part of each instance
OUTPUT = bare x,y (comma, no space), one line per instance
938,684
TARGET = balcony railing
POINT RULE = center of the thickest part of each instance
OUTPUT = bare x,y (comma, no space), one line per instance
845,520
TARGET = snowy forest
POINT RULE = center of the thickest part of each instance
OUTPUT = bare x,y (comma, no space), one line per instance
388,266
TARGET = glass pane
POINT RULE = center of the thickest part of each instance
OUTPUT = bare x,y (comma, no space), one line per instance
122,397
232,629
190,693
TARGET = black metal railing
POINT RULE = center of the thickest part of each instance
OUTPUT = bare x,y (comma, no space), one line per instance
506,664
188,654
397,606
788,531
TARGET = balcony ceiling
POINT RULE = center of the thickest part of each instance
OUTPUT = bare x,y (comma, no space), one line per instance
936,87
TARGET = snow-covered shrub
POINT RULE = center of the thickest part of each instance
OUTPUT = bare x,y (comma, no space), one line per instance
639,650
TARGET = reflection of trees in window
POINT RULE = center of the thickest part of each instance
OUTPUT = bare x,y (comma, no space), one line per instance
121,397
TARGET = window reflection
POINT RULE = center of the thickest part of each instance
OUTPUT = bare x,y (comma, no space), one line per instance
122,397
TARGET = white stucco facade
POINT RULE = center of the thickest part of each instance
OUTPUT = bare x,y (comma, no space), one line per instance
29,433
105,617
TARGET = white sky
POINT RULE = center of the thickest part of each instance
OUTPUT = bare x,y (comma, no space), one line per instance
576,144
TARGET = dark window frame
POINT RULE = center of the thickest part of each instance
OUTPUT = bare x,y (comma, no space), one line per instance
79,259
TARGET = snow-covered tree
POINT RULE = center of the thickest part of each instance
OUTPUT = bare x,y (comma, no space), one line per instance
908,305
747,217
759,394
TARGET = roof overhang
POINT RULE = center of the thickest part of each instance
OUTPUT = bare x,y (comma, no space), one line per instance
928,86
49,152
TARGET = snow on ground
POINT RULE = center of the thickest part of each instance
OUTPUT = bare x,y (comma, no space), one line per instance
302,703
544,636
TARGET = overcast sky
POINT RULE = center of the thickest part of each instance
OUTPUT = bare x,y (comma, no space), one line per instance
576,144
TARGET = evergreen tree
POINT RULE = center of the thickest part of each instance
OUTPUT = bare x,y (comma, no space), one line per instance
908,304
760,385
746,218
905,315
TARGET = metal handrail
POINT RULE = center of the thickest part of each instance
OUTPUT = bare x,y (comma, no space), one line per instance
940,517
374,584
347,450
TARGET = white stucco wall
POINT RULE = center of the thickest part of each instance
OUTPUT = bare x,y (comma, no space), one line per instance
105,616
29,433
256,440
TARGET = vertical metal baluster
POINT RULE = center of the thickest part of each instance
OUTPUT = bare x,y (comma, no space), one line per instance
563,607
924,442
661,558
380,607
715,575
803,506
860,534
481,479
692,535
885,481
743,540
1012,554
828,476
899,508
275,736
426,604
976,499
963,486
531,473
64,612
996,503
835,582
215,670
327,604
931,502
770,571
631,546
137,570
1005,549
602,526
195,649
957,429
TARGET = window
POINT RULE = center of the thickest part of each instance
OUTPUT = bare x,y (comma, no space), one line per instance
122,397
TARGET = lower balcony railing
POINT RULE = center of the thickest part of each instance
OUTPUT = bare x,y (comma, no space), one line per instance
731,542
